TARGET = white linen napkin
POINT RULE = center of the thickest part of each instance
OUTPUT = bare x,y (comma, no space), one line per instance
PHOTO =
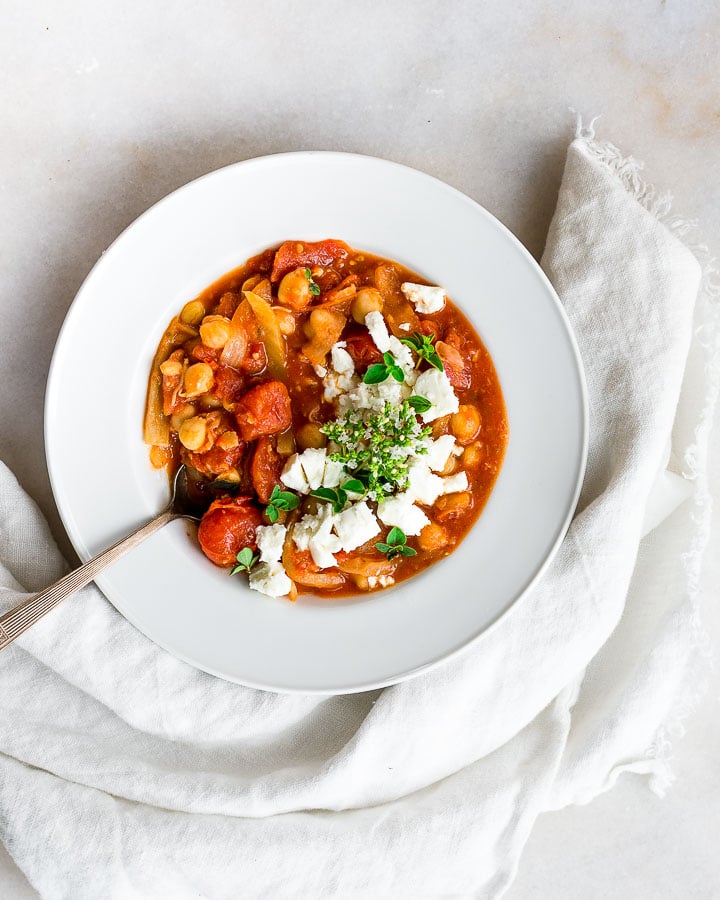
126,773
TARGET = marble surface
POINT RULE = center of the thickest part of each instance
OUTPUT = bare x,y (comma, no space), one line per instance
110,106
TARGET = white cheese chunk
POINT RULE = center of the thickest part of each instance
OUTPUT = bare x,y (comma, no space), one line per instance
324,543
375,324
270,540
342,362
439,451
313,463
355,525
435,387
424,486
401,511
404,358
404,326
270,578
424,298
374,396
454,483
293,475
320,371
334,473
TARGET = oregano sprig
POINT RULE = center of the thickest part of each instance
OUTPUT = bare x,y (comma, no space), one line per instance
379,372
314,287
280,500
395,544
423,345
246,560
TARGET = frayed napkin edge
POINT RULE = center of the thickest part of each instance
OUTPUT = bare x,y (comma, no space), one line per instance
627,169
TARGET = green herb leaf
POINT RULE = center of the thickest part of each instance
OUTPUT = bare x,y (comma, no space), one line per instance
395,545
423,345
272,514
336,496
379,372
355,485
375,374
314,288
280,500
246,560
419,404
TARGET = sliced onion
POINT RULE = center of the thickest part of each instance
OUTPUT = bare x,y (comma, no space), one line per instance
270,335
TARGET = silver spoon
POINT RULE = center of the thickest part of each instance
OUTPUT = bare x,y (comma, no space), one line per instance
19,619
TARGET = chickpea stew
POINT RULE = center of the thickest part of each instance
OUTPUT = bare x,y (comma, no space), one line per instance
340,416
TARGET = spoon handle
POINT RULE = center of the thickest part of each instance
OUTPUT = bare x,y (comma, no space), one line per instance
27,613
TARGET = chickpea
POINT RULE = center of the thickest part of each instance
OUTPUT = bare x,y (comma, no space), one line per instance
192,433
433,537
294,290
215,331
193,312
199,379
187,412
367,300
171,367
228,440
285,320
453,504
465,423
473,455
309,435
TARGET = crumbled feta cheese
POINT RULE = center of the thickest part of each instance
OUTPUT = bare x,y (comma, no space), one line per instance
374,396
293,475
383,581
320,371
270,578
454,483
424,486
342,362
404,358
334,473
270,540
439,451
404,326
435,387
426,299
314,533
375,324
401,511
355,525
324,543
313,463
307,471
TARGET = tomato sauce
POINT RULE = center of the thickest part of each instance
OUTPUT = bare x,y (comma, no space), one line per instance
264,362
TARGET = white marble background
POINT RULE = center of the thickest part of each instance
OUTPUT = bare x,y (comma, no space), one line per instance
108,106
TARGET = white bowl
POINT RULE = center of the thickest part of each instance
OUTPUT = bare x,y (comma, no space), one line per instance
104,485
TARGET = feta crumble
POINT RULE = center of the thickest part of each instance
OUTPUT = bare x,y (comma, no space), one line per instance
402,512
424,298
311,469
270,578
435,386
270,540
355,526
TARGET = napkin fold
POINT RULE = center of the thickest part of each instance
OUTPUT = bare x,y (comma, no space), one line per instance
126,773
